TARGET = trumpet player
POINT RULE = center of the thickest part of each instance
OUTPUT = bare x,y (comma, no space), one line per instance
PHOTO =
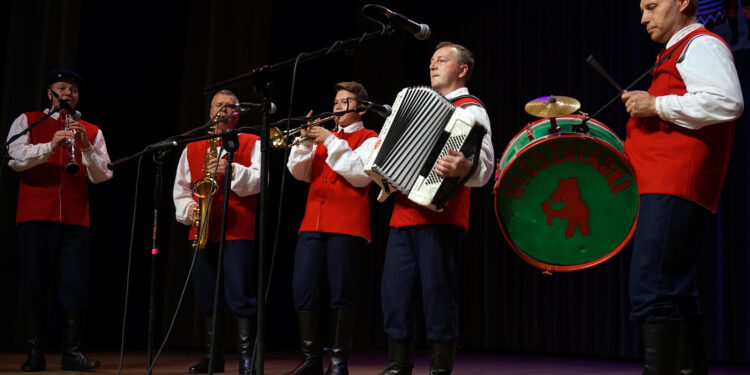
238,263
334,230
53,216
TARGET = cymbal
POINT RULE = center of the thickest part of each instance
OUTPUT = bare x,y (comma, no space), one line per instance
552,106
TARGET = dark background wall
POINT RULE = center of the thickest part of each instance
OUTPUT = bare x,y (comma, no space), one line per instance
145,64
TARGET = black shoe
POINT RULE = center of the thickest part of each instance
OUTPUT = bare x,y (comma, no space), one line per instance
202,366
77,361
73,358
442,356
673,348
312,351
343,337
400,357
245,340
35,361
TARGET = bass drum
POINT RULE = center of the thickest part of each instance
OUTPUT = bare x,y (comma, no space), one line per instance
565,195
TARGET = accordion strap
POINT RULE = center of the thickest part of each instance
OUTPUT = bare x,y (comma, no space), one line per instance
466,101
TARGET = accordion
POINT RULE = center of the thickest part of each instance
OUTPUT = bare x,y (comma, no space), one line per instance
421,129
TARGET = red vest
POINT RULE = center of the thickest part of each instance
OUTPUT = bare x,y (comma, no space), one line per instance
456,212
670,159
46,192
333,204
241,210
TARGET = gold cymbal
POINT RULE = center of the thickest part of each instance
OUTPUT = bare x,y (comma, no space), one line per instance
552,106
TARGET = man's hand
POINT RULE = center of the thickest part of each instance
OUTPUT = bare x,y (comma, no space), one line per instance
59,139
80,134
222,166
317,134
639,103
455,164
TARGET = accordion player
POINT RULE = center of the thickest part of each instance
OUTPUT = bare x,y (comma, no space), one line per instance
423,126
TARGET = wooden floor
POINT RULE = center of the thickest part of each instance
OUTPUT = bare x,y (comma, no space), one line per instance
177,362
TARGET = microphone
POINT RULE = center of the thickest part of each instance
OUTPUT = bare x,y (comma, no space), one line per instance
65,105
420,30
383,110
255,106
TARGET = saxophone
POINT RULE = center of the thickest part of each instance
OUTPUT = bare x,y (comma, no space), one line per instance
204,190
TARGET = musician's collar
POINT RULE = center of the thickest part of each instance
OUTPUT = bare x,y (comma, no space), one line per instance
683,33
457,93
354,127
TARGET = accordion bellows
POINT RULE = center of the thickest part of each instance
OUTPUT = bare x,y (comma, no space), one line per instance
421,129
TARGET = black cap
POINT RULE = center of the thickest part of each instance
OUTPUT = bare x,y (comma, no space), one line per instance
66,75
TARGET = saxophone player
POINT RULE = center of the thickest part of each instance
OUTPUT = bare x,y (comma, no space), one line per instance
238,263
53,216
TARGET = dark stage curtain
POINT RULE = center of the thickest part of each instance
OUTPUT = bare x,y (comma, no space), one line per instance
145,64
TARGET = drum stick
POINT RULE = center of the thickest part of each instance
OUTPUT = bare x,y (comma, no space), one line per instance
599,69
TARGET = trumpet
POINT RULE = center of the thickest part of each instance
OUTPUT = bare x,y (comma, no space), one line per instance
280,138
72,167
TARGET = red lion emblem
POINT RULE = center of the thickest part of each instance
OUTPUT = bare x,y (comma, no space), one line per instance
575,209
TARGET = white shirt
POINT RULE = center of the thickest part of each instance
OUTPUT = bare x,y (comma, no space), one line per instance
245,181
346,162
713,89
26,155
485,167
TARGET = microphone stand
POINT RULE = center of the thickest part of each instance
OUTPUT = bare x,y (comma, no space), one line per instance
160,151
261,79
159,158
230,143
28,128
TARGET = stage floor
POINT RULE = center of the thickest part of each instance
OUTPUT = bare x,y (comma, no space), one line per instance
177,362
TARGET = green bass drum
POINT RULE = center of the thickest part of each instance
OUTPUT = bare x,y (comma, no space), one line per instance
565,195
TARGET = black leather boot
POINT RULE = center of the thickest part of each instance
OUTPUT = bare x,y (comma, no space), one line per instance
35,344
312,351
73,358
400,357
342,342
691,355
659,348
202,366
245,341
442,356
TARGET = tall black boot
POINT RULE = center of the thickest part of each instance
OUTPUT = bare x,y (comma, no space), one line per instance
202,366
73,358
342,342
312,351
660,348
733,26
245,341
691,355
400,357
442,356
35,344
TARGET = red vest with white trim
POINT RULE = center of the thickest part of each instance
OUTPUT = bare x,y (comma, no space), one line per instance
46,192
670,159
456,212
241,210
333,204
